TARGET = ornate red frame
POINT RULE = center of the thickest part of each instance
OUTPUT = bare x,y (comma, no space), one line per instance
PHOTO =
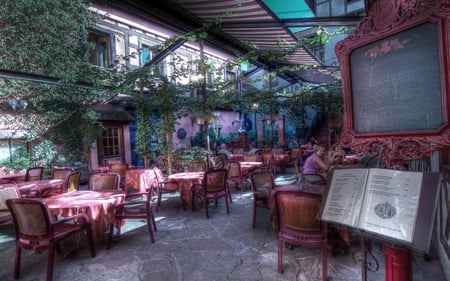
385,18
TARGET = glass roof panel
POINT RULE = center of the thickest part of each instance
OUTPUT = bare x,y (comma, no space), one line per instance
288,9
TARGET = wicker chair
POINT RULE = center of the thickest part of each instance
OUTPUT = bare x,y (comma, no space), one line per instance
213,187
136,206
262,185
37,231
104,181
298,224
10,191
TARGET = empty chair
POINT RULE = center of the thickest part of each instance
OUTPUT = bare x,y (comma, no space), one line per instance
37,231
121,169
262,185
34,174
221,161
298,224
10,191
197,166
250,158
213,187
73,181
136,206
267,159
235,175
104,181
61,173
163,186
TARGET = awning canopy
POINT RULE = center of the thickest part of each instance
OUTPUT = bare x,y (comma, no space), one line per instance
263,24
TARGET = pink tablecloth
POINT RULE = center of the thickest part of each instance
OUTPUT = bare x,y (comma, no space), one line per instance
39,188
248,167
97,205
139,179
185,182
12,177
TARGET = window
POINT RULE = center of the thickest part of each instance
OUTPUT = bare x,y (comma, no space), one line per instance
146,54
101,50
9,146
111,142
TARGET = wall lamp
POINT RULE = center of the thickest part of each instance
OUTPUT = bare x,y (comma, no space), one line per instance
18,104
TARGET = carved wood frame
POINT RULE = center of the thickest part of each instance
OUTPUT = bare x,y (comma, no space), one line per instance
385,18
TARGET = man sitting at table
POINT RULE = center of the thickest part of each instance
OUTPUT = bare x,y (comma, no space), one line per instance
253,149
223,149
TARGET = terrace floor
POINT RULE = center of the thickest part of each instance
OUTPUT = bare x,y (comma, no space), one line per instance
190,247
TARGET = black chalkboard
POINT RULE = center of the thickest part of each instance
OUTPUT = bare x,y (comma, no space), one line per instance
396,82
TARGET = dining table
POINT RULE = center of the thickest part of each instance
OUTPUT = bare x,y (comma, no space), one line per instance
248,167
185,182
12,177
38,188
98,205
140,180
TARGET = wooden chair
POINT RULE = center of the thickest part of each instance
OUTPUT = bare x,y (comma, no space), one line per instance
197,166
73,182
262,185
37,231
298,224
34,174
267,159
250,158
121,169
61,173
163,186
235,176
213,187
136,206
221,161
296,155
103,181
10,191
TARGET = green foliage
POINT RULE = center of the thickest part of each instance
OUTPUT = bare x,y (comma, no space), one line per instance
44,36
186,155
48,37
42,154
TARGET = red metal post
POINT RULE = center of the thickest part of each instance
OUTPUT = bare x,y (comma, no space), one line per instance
398,263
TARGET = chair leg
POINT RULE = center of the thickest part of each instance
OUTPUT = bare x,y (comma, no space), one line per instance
206,208
110,236
324,261
280,255
158,203
149,227
226,204
17,262
254,213
50,261
153,221
90,239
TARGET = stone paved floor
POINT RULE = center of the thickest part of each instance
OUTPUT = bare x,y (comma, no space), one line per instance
190,247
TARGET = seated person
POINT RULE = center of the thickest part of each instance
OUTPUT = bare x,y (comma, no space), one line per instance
224,150
336,155
293,143
253,149
315,164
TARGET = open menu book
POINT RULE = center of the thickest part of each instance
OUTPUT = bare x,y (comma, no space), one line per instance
381,201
